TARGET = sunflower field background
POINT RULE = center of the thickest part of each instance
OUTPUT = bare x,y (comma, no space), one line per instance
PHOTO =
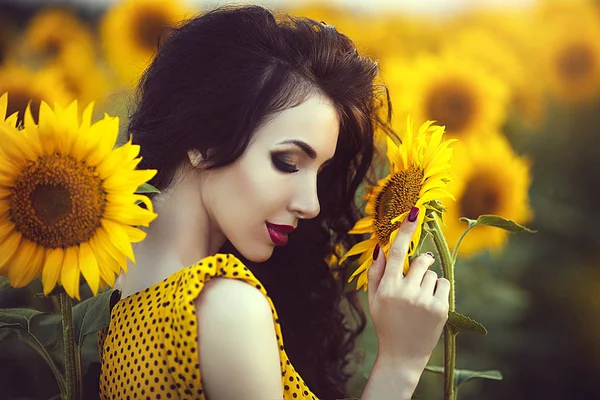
518,87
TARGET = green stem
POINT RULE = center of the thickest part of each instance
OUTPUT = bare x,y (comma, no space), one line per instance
66,309
449,336
41,350
460,239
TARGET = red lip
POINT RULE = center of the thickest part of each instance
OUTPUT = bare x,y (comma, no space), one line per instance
282,228
279,233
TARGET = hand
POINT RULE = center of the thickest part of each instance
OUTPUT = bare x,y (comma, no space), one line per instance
409,312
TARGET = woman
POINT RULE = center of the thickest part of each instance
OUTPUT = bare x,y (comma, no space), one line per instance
261,131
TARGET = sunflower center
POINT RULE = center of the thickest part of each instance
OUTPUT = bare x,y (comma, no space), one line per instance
398,195
57,201
451,104
52,47
18,101
481,196
149,27
576,61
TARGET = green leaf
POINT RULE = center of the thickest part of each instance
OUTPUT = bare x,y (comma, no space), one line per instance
147,188
498,222
4,283
92,315
18,317
463,375
461,323
437,206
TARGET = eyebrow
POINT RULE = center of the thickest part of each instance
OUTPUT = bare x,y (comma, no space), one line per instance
304,146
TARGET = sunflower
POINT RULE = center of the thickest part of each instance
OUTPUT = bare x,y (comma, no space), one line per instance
27,86
52,31
418,174
491,51
488,178
84,81
130,32
455,92
67,199
571,59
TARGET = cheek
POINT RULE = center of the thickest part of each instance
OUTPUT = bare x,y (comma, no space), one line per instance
259,190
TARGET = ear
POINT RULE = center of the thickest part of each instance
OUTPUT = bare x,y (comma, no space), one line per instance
195,157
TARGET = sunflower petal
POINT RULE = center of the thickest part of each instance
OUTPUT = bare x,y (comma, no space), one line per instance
118,237
52,268
3,105
8,247
361,247
364,225
106,264
70,272
26,264
128,180
88,263
105,245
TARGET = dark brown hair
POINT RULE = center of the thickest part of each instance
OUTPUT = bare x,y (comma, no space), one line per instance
214,80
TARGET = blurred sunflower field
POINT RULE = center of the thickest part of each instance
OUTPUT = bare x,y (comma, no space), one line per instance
519,87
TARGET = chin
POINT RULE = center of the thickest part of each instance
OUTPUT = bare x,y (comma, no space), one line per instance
258,256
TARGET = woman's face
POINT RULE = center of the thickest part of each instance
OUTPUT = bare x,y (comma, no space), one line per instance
256,202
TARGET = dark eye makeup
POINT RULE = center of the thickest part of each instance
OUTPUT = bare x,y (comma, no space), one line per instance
279,161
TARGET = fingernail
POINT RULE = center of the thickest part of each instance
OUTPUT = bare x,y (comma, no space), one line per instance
413,214
376,252
430,254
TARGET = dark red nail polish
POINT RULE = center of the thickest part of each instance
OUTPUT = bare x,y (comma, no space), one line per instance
376,252
413,214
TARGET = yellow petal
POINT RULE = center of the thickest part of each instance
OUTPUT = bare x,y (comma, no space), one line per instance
364,266
3,105
69,275
364,225
128,180
4,207
118,158
28,120
89,266
26,264
8,247
399,217
104,245
86,119
366,245
106,264
118,238
135,235
15,145
129,215
106,132
52,268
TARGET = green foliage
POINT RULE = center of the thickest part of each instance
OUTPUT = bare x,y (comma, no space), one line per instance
463,375
461,323
498,222
147,188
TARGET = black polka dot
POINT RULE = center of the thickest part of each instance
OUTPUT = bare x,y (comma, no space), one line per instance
150,348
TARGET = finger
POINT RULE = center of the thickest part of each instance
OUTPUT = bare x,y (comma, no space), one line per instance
399,247
442,289
428,283
417,270
375,272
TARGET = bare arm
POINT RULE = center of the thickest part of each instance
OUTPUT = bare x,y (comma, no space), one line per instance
237,344
409,313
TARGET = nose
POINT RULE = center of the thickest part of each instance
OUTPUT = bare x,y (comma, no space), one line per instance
305,201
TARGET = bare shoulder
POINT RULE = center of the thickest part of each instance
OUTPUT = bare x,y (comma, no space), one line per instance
237,344
232,299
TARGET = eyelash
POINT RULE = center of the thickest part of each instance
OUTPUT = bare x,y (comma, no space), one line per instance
282,165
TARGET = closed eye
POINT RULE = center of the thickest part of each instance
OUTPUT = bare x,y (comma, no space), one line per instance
281,162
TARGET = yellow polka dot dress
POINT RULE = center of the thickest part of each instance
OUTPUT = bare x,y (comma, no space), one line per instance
150,348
